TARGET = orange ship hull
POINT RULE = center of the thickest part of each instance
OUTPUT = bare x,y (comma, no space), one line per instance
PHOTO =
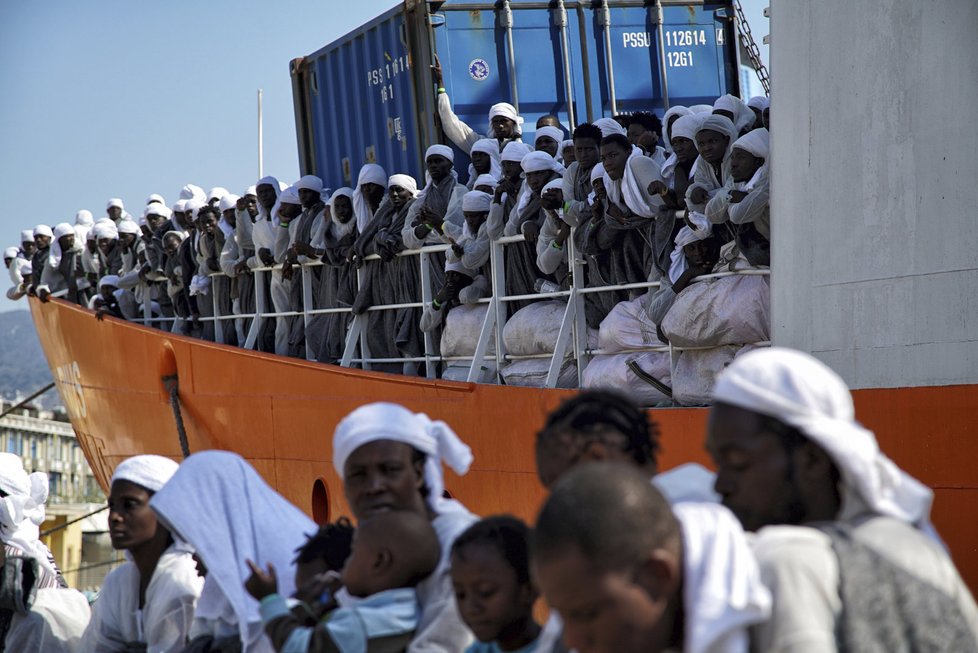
280,414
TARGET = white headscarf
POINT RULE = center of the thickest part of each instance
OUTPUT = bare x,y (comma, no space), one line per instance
116,202
84,218
490,147
407,182
344,228
540,161
685,126
476,201
128,227
218,504
629,191
721,125
268,180
60,229
11,252
722,589
216,193
22,510
228,202
760,102
370,173
155,199
27,236
506,110
387,421
677,110
440,150
609,126
43,230
147,471
109,280
743,117
514,151
552,132
157,209
757,142
803,392
701,108
105,230
310,182
486,180
192,192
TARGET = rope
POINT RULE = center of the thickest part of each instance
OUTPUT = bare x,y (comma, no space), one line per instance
24,401
172,385
69,523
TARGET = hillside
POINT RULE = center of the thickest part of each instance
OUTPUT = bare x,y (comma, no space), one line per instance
23,368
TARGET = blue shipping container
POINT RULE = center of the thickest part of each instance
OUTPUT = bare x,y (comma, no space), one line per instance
369,97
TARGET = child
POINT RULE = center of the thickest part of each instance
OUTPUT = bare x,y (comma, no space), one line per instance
392,553
491,576
326,550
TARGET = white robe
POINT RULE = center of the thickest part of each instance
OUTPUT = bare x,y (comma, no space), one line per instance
164,621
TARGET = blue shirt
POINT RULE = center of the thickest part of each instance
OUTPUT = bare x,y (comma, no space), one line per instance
492,647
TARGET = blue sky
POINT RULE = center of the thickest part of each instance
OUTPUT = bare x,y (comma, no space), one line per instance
113,98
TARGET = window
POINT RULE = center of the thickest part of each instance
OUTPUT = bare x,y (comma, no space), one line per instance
14,443
54,483
34,448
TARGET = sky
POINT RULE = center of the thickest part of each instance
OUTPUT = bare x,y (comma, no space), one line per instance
113,98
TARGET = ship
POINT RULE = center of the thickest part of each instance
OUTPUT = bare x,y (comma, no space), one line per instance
893,331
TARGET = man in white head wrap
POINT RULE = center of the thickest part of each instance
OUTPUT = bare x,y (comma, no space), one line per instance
714,140
549,140
673,114
744,198
398,434
63,267
264,236
130,611
841,530
133,247
734,108
486,183
16,266
109,251
215,194
41,615
368,193
115,209
505,125
485,161
192,192
509,188
155,198
337,286
609,126
438,208
39,259
758,104
202,505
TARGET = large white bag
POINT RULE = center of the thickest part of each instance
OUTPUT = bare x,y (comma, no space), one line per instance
463,324
611,371
532,373
727,311
696,371
627,326
534,329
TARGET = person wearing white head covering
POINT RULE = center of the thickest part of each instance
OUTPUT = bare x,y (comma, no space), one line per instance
683,136
758,104
609,126
192,192
115,209
734,108
841,530
701,108
437,212
567,153
366,197
673,114
201,504
555,135
155,198
744,199
486,183
129,610
486,151
509,188
713,167
19,269
264,236
43,615
229,288
505,124
215,194
294,247
84,218
337,287
423,445
42,236
63,269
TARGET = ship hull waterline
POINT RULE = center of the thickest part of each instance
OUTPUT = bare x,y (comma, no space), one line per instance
279,413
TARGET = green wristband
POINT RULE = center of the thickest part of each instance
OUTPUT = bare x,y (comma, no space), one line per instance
441,89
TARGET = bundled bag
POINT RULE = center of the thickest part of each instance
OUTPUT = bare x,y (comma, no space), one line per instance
612,371
727,311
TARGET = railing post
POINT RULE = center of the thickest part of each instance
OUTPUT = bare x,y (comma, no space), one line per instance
563,337
215,301
497,264
256,321
479,356
429,344
578,282
307,305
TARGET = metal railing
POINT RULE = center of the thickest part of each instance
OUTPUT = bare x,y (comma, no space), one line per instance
571,342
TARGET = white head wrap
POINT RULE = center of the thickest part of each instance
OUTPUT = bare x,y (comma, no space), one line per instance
157,209
514,151
116,202
228,202
155,199
721,125
347,227
289,196
109,280
192,192
551,132
757,142
251,190
609,126
370,173
216,193
687,236
539,161
597,172
11,252
193,207
723,592
43,230
179,234
759,102
310,182
743,117
148,471
84,217
27,235
60,229
678,111
476,201
217,503
804,393
440,150
564,144
128,227
407,182
105,230
180,206
387,421
268,180
687,126
506,110
22,510
485,180
490,147
701,108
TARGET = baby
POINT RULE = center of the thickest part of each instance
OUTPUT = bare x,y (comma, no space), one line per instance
371,605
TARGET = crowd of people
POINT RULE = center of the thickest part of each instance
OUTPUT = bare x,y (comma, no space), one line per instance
808,538
643,200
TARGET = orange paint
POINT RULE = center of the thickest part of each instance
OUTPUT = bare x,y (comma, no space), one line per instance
280,414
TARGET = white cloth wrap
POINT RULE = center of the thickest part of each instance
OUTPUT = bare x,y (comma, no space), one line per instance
387,421
155,198
218,504
27,236
310,182
759,102
803,392
440,150
22,510
54,256
540,161
489,146
192,192
514,151
474,200
406,182
228,202
721,125
685,237
116,202
105,230
128,227
609,126
757,142
11,252
687,126
148,470
506,110
370,173
631,193
551,132
677,110
111,280
722,590
743,117
486,180
84,217
42,230
157,209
